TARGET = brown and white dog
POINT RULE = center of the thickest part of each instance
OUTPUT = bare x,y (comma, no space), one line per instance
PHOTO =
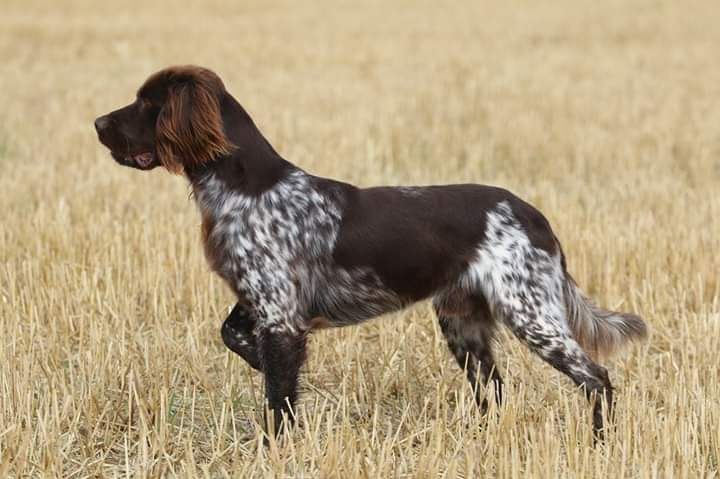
301,251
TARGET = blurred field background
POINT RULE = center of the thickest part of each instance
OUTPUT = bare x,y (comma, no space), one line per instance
605,115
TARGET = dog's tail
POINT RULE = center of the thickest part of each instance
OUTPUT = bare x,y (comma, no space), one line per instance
600,332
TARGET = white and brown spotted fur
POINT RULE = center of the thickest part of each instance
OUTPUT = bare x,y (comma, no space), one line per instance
302,252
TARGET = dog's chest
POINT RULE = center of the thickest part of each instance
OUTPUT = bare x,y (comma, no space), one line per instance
257,243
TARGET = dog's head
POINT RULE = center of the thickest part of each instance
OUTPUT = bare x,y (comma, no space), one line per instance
175,121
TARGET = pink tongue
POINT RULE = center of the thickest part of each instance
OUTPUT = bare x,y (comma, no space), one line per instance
143,159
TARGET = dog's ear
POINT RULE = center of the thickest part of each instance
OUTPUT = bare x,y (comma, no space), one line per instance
189,129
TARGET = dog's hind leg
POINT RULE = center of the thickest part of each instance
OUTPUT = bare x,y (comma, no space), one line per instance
542,333
469,328
528,296
524,283
238,335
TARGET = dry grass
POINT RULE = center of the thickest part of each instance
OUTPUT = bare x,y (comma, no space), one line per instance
604,115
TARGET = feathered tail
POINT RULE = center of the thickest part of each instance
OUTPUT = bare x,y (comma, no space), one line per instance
600,332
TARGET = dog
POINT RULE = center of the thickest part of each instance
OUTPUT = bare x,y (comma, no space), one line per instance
302,252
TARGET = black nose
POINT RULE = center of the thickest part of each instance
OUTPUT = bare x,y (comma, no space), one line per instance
102,123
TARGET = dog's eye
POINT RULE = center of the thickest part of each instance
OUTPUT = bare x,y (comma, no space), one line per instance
146,107
144,104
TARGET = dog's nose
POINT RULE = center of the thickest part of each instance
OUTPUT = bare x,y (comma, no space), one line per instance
102,123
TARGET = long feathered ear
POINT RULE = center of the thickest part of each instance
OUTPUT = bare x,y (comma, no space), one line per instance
189,129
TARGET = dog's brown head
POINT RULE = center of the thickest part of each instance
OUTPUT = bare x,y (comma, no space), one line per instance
175,121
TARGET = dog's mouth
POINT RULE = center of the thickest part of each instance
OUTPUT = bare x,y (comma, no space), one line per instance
143,161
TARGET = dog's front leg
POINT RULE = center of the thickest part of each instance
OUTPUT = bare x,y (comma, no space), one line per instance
238,335
282,352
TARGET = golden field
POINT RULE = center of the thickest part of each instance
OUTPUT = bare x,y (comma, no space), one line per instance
605,115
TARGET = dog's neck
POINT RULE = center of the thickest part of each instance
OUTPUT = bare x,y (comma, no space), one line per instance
253,167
